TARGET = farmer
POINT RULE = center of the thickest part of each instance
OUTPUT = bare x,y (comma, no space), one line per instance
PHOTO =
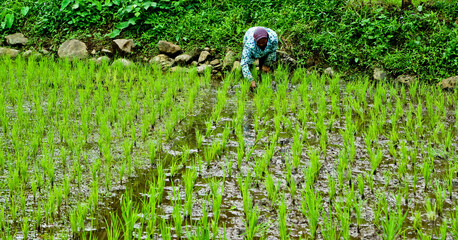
259,43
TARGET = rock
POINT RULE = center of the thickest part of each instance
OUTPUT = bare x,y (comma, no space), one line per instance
30,53
207,49
203,56
330,72
106,51
123,62
202,68
16,39
123,45
449,83
286,60
183,59
215,62
218,67
12,53
73,49
163,60
178,69
93,52
99,61
44,51
194,63
406,79
168,48
229,59
380,74
236,66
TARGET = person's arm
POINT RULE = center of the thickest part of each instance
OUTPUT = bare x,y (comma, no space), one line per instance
272,57
246,61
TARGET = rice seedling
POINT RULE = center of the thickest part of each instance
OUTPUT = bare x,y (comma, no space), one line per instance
199,138
176,212
271,188
392,225
217,197
426,170
189,180
113,229
440,198
166,231
343,213
431,212
310,208
282,219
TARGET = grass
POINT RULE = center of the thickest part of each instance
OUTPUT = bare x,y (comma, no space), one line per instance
350,147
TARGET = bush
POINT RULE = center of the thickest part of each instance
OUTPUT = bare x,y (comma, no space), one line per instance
348,35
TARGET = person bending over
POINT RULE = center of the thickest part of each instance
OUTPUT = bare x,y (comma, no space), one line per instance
259,43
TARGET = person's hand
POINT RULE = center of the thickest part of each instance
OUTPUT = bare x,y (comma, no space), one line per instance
266,69
253,84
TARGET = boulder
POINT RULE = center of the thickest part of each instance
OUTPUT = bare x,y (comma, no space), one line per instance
236,66
183,59
229,59
123,62
178,69
123,46
163,60
168,48
406,79
203,56
16,39
202,68
73,49
330,72
99,61
449,83
380,74
12,53
30,53
215,62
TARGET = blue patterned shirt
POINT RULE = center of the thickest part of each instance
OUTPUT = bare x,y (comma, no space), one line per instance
251,51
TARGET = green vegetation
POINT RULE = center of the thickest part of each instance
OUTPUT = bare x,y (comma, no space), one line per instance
350,35
73,153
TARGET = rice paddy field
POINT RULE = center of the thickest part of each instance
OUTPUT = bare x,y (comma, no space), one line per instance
106,152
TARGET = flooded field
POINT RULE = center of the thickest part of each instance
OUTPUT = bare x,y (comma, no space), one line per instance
106,152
